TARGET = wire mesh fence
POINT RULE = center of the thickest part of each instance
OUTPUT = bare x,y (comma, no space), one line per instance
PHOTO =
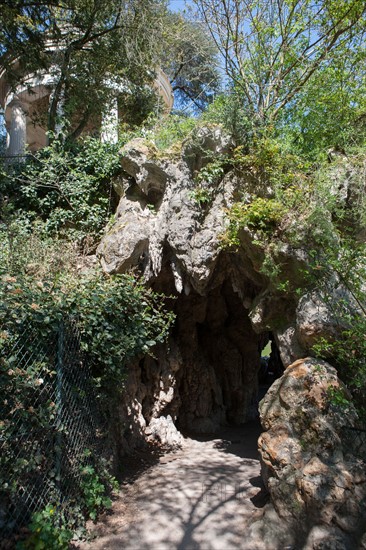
14,161
50,423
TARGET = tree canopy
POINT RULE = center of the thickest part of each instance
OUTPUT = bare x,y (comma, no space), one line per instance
190,60
94,48
272,48
90,47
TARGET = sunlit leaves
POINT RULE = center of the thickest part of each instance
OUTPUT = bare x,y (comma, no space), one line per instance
272,49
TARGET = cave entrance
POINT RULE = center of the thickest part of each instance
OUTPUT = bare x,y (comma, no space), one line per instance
271,366
218,382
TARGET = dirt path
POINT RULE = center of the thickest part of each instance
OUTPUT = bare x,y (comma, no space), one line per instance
202,497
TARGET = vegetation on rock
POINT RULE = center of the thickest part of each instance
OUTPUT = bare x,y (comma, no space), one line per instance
295,110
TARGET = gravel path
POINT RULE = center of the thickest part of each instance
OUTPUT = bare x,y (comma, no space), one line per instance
201,497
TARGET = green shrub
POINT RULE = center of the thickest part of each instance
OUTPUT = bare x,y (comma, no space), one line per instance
172,130
48,530
68,188
213,172
94,489
261,215
117,318
228,111
201,195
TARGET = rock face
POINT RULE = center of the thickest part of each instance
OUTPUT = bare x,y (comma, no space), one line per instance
159,219
316,316
207,375
168,228
309,459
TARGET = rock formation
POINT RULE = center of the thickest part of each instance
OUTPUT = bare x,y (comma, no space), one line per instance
209,375
169,228
313,458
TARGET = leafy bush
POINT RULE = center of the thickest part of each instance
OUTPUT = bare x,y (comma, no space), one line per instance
162,133
345,265
172,130
69,188
227,110
262,214
48,531
94,489
213,171
117,318
27,249
201,195
348,354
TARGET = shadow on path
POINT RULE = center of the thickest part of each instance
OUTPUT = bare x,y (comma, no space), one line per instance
201,497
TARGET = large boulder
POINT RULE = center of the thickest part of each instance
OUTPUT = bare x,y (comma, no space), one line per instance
314,473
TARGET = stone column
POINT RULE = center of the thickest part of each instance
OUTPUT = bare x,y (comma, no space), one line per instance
110,121
59,122
17,133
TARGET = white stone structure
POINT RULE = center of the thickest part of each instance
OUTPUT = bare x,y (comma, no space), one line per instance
26,110
16,136
25,113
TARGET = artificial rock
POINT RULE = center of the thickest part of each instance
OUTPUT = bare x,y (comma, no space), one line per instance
316,479
227,309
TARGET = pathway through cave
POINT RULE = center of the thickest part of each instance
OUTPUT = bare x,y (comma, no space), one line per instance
203,496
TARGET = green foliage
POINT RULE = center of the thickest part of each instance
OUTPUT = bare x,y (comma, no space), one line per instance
54,526
271,162
294,70
213,172
294,200
69,189
94,492
209,177
283,192
344,265
28,251
48,531
100,47
329,110
189,59
228,110
309,214
201,195
118,318
337,397
271,51
171,131
162,134
263,215
136,106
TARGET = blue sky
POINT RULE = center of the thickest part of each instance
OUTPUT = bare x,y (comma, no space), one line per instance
177,5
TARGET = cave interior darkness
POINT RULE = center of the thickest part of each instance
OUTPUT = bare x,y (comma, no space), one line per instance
222,374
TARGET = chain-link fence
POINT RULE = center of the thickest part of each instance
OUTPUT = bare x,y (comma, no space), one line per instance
50,425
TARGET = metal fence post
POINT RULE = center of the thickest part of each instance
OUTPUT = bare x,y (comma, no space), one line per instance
59,402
